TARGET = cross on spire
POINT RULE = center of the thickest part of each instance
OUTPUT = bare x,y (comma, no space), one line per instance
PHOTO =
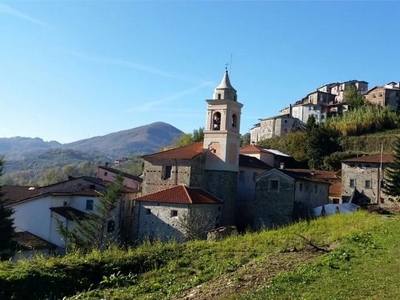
226,67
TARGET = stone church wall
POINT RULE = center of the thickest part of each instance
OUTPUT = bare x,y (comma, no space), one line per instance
223,184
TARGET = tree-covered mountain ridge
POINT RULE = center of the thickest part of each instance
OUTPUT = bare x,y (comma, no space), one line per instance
36,162
138,140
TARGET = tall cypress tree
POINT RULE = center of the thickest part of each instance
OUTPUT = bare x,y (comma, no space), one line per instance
392,174
6,226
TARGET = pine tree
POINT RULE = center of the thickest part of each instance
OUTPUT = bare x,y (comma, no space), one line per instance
6,226
392,174
89,232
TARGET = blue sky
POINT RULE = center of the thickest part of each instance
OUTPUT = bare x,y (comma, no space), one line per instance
71,70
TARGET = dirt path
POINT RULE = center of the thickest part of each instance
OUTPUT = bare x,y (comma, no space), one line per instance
252,276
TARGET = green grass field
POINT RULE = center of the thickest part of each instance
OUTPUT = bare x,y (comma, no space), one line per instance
362,262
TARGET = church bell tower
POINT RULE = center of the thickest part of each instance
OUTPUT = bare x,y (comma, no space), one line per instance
222,140
222,131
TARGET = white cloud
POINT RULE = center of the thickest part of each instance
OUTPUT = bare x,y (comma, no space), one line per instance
128,64
7,9
150,105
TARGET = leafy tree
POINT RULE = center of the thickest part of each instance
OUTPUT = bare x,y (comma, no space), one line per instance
6,226
189,138
89,232
245,139
352,97
321,143
392,174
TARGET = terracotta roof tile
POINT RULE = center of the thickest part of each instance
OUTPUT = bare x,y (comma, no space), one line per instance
185,152
316,174
375,158
335,190
181,195
253,149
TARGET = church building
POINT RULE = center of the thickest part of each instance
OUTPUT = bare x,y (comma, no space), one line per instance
195,183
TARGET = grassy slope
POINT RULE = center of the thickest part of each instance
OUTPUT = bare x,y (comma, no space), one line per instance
218,270
274,264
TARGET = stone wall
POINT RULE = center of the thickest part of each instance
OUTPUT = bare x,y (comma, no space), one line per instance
162,221
273,207
223,184
187,172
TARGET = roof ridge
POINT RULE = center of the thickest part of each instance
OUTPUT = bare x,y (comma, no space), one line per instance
185,188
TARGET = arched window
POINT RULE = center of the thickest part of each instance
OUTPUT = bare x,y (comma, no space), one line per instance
234,121
216,121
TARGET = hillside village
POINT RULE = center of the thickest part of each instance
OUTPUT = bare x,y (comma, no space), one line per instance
211,185
323,103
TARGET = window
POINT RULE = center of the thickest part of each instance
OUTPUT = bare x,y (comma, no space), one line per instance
315,189
110,226
234,120
285,121
241,176
174,213
167,170
148,211
219,96
367,184
65,203
300,187
92,187
273,185
352,182
216,121
89,204
105,173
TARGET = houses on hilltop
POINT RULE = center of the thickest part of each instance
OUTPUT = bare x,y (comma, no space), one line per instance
324,102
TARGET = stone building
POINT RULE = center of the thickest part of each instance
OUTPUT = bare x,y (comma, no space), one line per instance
282,195
388,95
212,166
363,178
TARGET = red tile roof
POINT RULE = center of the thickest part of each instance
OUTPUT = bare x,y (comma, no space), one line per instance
375,158
181,194
253,149
317,174
335,189
185,152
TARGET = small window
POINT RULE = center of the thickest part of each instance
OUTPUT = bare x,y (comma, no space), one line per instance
167,170
148,211
335,200
367,184
219,96
273,185
174,213
92,187
89,204
352,182
105,173
285,121
300,187
65,203
110,226
219,208
315,189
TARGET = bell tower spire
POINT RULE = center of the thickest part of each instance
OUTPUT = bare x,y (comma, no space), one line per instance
222,131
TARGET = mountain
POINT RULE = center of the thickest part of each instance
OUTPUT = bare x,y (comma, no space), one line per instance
140,140
16,148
